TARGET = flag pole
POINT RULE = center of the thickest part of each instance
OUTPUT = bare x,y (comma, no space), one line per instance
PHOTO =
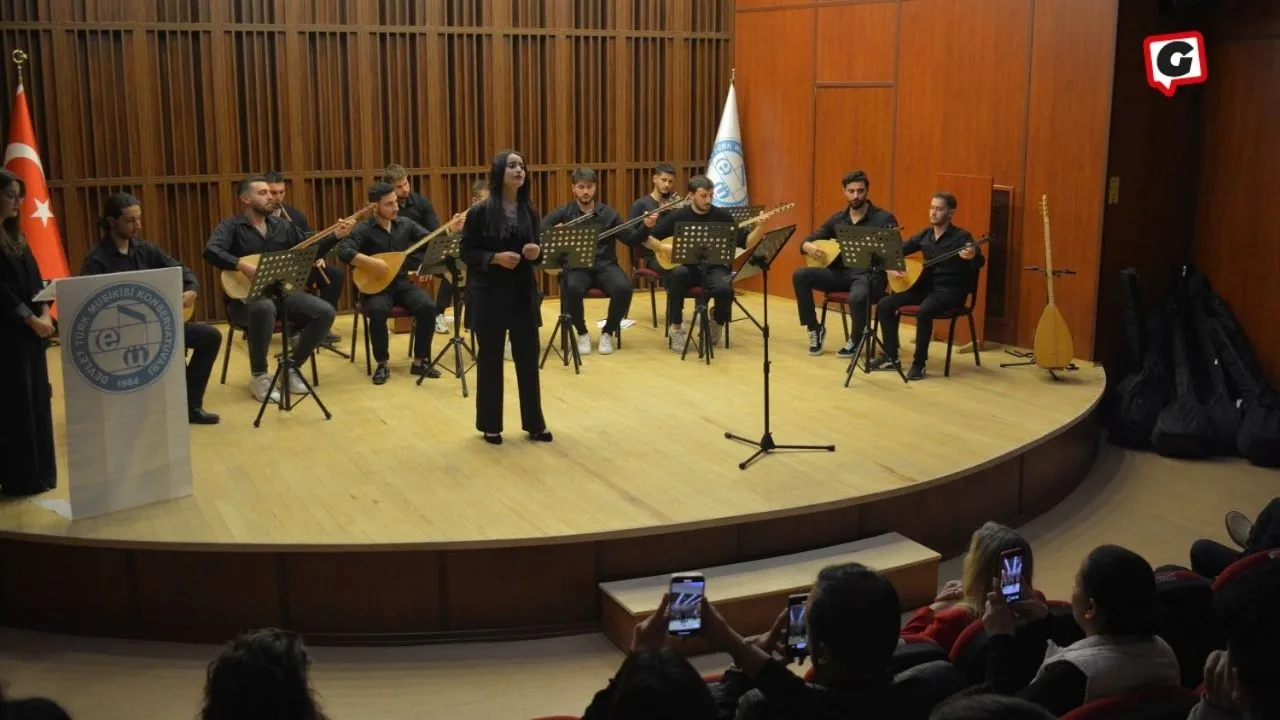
19,57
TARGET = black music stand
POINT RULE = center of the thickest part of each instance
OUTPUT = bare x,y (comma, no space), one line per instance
874,250
1029,358
306,235
741,214
441,257
759,262
703,244
567,247
277,275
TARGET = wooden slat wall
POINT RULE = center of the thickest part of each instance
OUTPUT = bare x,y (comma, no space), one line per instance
174,100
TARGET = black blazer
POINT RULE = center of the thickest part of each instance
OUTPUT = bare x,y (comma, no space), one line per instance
499,297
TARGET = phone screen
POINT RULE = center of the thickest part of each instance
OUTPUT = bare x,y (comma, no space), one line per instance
686,605
797,632
1011,576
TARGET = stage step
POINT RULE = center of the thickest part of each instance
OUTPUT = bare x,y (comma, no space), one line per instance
751,594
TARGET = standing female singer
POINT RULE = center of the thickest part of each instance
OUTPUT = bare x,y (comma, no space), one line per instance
26,437
499,243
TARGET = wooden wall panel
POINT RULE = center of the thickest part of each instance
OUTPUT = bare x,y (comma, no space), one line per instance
1239,170
858,43
176,100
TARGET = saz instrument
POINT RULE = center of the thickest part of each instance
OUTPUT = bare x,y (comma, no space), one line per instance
372,282
674,202
1053,339
830,251
916,265
664,258
235,284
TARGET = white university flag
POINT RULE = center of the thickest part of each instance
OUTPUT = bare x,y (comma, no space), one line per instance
725,168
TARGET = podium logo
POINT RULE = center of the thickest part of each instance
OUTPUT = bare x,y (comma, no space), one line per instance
123,337
1174,60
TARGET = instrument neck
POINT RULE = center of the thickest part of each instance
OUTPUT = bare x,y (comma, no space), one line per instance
426,239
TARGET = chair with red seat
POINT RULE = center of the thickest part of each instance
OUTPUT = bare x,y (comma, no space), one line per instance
598,294
841,300
1155,703
953,316
969,653
652,278
1186,620
358,317
1246,563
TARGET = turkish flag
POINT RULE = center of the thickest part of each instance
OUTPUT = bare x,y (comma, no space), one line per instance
22,158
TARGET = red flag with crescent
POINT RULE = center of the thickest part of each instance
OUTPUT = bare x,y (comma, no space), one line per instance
22,158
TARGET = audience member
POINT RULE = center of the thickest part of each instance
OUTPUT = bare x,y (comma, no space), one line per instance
989,707
261,675
1240,682
32,709
962,601
1210,558
1114,602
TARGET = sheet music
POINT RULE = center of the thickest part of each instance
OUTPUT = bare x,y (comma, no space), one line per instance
48,294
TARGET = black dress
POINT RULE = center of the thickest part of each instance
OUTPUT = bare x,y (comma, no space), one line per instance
503,301
26,440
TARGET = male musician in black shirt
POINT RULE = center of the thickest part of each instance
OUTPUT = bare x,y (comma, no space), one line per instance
327,278
664,183
386,231
121,250
419,209
863,286
605,274
256,230
942,287
716,282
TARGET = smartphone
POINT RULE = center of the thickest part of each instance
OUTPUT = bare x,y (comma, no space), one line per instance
797,628
685,609
1011,576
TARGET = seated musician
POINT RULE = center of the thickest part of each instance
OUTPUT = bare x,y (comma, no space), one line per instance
716,281
664,183
121,250
864,287
605,274
255,230
942,287
416,207
383,232
326,278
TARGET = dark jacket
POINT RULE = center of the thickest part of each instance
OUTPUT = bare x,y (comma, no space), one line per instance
954,274
236,237
104,258
876,217
498,295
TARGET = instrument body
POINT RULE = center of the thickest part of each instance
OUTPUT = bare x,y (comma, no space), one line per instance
916,265
372,282
664,258
1052,345
830,250
188,312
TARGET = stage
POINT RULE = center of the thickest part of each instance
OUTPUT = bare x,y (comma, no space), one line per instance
395,522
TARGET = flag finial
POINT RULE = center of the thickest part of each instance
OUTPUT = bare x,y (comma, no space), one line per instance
19,57
733,72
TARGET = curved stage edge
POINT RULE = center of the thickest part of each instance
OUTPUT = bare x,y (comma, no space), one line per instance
406,596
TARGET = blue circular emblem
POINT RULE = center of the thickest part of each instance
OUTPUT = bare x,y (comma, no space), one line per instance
122,337
729,173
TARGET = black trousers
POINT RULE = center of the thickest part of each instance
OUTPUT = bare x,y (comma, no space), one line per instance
491,334
609,278
203,341
444,298
1210,558
330,292
863,288
932,301
715,283
306,311
405,293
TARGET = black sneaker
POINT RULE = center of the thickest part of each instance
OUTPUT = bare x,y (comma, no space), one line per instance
884,362
816,337
425,369
916,372
331,339
846,352
381,374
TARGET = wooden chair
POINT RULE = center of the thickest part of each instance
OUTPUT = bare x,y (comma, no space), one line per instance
358,317
964,311
652,278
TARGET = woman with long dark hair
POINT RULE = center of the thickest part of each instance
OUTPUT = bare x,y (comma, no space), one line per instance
26,442
261,675
499,245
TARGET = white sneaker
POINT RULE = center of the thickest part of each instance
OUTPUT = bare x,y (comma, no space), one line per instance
606,344
584,344
259,384
506,351
678,339
717,330
442,325
296,386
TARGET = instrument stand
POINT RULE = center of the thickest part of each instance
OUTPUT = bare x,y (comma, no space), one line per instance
455,343
566,247
760,261
874,250
703,244
1029,358
278,274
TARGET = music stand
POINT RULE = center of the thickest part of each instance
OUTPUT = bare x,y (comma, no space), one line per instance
278,274
703,244
441,257
741,214
566,247
874,250
761,260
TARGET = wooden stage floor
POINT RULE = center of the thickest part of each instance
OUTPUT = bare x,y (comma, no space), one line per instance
639,448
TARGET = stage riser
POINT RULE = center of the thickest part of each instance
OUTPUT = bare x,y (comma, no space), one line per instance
411,596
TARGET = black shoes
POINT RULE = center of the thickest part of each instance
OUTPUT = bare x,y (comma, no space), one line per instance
816,338
381,374
916,372
426,369
846,352
200,416
541,436
493,438
884,362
